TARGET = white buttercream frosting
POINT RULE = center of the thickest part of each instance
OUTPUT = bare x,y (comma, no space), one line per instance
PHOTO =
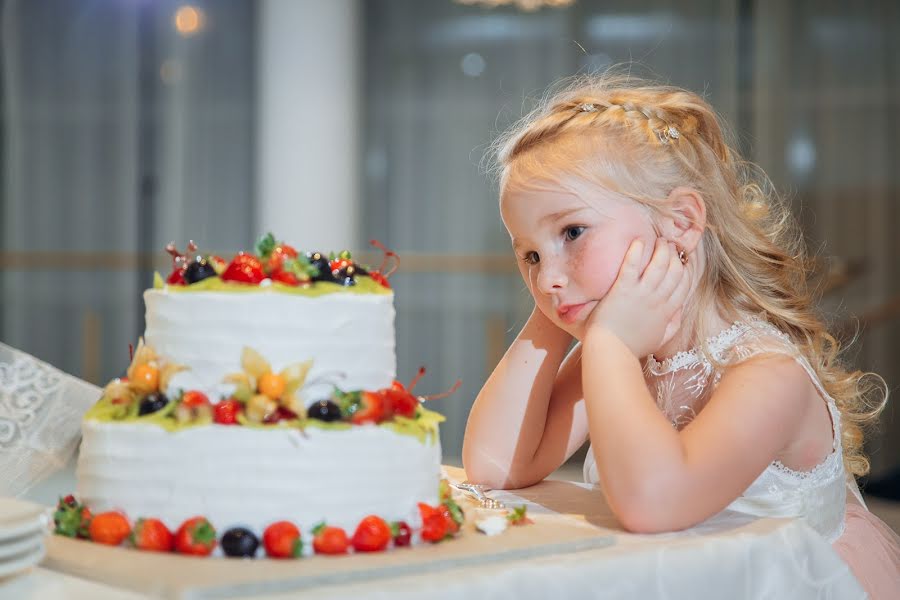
350,337
242,476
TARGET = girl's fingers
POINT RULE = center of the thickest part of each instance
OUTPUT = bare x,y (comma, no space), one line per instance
680,292
631,265
656,270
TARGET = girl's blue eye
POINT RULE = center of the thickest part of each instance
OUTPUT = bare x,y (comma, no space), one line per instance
531,258
573,232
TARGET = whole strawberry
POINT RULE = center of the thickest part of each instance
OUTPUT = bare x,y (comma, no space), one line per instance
282,540
71,518
364,407
151,535
109,528
329,540
434,523
373,534
226,412
244,268
195,536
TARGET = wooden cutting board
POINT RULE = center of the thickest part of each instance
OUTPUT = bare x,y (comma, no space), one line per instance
178,576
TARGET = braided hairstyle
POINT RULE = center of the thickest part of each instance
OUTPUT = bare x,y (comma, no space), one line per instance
641,140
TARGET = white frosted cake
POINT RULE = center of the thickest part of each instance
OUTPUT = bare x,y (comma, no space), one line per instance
263,390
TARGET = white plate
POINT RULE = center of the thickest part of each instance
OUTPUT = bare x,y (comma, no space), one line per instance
22,545
18,518
8,567
14,511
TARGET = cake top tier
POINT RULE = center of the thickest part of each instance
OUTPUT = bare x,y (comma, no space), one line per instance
276,266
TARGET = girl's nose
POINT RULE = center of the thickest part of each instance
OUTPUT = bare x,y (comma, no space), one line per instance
550,279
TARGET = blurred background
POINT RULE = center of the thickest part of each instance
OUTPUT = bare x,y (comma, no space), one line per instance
129,124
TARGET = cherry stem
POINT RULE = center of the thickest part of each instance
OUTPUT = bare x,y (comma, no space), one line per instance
387,254
442,394
130,353
415,380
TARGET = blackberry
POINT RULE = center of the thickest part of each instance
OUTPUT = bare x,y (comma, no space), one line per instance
152,403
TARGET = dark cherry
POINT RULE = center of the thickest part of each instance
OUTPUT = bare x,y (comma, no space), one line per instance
239,541
320,262
198,270
152,403
324,410
346,276
402,534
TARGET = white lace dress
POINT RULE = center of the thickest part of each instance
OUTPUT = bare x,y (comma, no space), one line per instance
684,383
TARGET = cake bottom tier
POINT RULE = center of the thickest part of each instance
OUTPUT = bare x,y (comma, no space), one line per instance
249,477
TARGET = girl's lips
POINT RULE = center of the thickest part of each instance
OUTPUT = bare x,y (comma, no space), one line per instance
569,313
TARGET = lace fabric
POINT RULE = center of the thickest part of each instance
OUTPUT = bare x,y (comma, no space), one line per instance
684,383
40,419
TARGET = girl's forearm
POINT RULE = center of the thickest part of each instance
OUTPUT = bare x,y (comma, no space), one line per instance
507,420
637,451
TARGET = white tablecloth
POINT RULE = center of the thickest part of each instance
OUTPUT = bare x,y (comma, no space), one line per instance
726,557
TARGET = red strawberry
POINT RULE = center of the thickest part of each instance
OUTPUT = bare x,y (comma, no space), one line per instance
401,402
245,268
282,540
434,523
226,411
195,536
401,532
372,408
285,277
330,540
109,528
372,535
275,261
194,399
152,535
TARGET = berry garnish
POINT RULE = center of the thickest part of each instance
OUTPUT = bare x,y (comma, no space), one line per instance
218,263
363,407
401,533
329,540
145,378
346,276
282,540
372,535
434,524
109,528
152,403
320,267
71,518
179,262
152,535
193,406
271,384
519,516
226,412
244,268
324,410
198,270
379,276
239,541
286,278
195,536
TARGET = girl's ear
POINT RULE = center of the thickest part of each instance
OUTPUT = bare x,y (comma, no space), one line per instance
688,219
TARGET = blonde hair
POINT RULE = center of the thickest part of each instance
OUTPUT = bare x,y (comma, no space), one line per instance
642,140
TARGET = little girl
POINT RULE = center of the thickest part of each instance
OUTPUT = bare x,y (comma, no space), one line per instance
703,377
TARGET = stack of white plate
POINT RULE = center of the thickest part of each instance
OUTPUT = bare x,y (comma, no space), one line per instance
23,527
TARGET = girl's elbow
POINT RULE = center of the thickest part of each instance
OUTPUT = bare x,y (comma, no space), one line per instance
644,511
